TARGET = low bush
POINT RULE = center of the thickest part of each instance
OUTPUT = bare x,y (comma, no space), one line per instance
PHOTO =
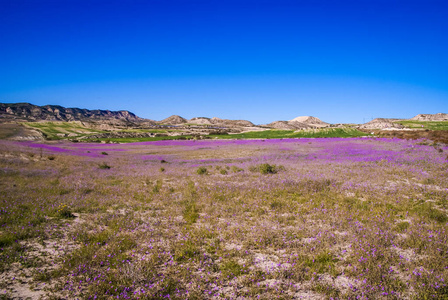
64,212
190,212
104,166
232,269
235,169
201,171
267,168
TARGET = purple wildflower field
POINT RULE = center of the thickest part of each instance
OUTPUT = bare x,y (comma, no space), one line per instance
333,218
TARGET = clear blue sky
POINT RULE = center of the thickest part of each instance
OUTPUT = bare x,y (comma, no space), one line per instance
260,60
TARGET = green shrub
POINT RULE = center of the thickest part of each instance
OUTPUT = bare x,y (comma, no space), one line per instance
104,153
232,269
235,169
157,187
427,210
42,275
267,168
201,171
306,266
428,181
276,204
402,226
191,212
186,251
6,239
64,212
104,166
223,172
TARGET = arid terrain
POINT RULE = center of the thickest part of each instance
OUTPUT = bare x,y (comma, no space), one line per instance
346,218
24,121
308,211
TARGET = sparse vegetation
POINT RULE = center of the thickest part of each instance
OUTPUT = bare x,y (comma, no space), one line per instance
64,212
267,168
62,130
431,125
342,218
236,169
75,131
104,166
202,171
311,133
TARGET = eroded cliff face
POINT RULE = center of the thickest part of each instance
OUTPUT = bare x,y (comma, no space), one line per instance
30,112
431,117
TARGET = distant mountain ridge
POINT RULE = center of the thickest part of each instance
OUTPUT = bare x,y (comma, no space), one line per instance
25,121
178,120
33,112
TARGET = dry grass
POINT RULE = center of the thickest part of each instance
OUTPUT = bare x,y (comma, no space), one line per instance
288,219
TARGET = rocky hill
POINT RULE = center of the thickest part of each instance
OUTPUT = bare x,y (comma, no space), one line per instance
309,120
231,123
381,123
30,112
430,117
178,120
173,120
304,122
288,125
200,121
390,124
118,120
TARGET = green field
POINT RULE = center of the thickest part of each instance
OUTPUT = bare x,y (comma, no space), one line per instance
62,130
56,130
266,134
149,130
279,134
440,125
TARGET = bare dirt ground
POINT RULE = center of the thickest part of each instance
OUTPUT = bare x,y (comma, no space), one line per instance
15,131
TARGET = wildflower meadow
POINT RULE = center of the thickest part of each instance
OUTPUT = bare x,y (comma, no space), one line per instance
310,218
